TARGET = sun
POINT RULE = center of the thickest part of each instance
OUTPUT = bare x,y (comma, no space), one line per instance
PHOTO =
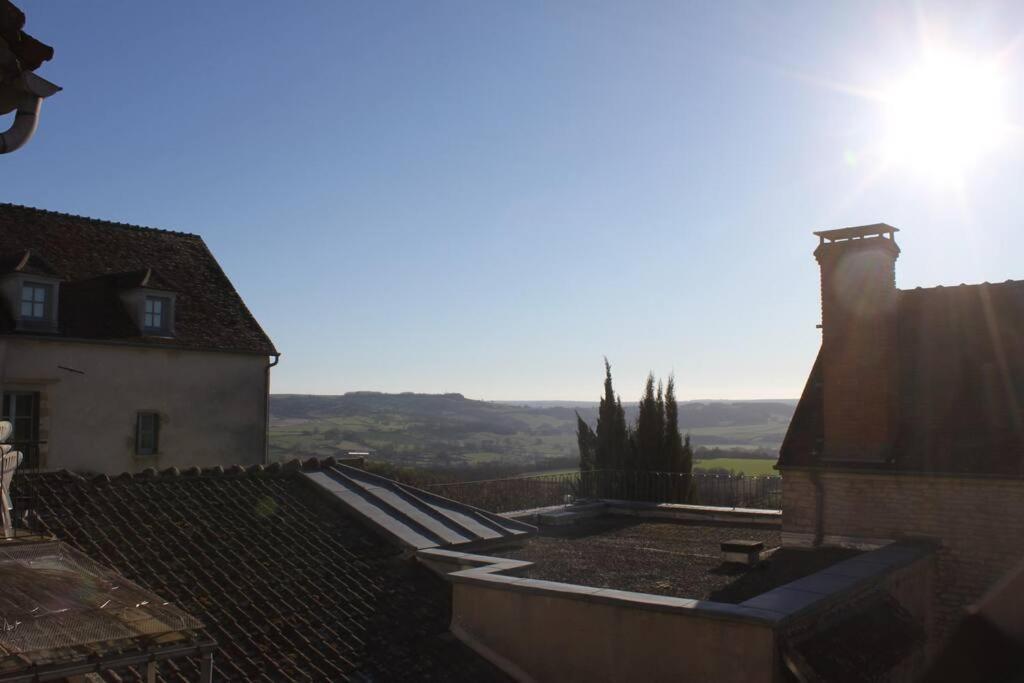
944,116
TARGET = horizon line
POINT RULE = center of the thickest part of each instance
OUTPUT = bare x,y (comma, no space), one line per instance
521,400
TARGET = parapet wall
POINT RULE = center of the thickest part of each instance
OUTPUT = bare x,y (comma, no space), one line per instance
538,630
547,631
977,523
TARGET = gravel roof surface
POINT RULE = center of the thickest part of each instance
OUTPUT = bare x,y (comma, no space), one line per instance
666,558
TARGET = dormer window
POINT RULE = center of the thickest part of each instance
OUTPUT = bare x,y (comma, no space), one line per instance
156,315
30,291
149,300
36,302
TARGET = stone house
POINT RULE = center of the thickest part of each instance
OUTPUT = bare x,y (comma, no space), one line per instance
911,422
124,348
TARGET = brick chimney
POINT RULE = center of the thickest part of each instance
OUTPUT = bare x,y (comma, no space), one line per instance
859,341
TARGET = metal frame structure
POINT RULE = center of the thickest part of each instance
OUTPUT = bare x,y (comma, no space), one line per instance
63,614
149,657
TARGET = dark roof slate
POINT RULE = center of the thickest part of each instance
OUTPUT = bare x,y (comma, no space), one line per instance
961,384
26,261
148,278
866,640
98,259
288,583
987,643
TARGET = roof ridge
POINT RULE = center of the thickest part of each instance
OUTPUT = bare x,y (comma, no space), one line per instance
217,471
113,224
961,285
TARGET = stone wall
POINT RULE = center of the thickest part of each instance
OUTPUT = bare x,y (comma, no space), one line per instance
978,523
212,406
541,631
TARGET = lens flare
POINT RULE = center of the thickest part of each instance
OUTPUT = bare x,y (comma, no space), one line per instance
944,116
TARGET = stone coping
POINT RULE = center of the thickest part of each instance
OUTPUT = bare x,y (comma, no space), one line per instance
558,515
702,513
773,608
531,512
837,581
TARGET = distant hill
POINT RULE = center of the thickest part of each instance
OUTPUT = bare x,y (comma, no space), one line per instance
449,429
593,404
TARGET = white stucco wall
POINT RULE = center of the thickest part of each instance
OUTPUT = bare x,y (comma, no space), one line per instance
211,405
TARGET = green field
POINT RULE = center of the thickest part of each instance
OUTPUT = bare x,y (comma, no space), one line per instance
399,439
752,467
446,430
756,467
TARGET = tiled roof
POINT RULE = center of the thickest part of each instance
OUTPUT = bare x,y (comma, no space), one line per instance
866,640
987,643
29,52
96,258
27,262
961,384
149,278
287,582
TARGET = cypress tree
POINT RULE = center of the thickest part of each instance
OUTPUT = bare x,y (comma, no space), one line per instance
661,455
686,465
604,452
650,427
678,452
621,438
612,439
587,441
673,441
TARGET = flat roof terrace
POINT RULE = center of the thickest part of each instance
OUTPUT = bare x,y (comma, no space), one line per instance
674,558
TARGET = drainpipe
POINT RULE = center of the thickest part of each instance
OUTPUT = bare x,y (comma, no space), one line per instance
25,98
266,409
819,507
24,127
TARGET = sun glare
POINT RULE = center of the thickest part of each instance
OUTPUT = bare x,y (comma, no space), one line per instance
944,116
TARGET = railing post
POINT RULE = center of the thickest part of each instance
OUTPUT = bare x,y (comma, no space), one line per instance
206,670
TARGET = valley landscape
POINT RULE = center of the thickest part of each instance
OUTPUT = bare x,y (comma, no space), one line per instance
450,431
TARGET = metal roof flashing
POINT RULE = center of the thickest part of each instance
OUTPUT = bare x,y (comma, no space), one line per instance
412,518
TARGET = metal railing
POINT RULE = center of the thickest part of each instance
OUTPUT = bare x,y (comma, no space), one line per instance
31,450
521,493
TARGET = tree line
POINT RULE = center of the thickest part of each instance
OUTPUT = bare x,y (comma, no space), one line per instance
652,444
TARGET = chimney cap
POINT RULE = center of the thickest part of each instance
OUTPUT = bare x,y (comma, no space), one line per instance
856,232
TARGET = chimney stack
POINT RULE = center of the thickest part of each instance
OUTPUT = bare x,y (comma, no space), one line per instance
859,341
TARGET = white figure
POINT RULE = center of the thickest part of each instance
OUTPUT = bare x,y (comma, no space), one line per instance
9,461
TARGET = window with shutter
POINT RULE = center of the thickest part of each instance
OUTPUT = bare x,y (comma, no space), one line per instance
147,429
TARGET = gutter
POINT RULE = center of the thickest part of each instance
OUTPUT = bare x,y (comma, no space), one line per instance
27,100
26,120
266,408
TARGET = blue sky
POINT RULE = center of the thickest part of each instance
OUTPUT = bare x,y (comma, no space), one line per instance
487,197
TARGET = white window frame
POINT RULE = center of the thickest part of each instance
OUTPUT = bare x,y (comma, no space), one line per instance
46,304
166,305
